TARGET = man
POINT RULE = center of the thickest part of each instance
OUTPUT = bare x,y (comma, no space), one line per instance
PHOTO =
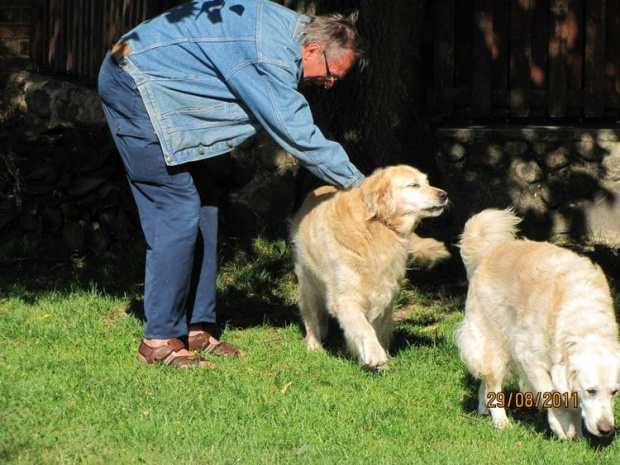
193,83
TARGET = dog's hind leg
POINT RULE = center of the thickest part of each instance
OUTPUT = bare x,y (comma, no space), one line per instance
491,399
486,358
383,326
483,400
312,309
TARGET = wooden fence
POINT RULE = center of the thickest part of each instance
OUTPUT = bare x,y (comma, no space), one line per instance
547,59
72,36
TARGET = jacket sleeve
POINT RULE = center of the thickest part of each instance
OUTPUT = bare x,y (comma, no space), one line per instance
270,93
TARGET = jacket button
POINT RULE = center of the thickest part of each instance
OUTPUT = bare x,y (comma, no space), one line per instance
230,143
201,151
168,159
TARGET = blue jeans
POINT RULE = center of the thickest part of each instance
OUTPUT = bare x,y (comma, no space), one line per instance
177,213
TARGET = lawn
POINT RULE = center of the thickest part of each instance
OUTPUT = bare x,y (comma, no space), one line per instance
72,389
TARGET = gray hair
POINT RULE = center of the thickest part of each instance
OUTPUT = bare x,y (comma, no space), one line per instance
337,35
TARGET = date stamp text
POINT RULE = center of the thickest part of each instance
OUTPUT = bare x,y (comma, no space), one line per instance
532,400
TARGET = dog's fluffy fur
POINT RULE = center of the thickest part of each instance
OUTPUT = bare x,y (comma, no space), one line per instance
351,251
547,314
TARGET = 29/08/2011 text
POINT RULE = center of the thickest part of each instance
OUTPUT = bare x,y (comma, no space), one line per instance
532,400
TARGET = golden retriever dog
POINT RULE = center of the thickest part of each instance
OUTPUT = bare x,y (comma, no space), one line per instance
545,314
351,251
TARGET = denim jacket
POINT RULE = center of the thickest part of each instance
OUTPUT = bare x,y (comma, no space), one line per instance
212,73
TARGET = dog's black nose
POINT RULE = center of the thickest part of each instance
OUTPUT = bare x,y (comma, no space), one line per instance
443,195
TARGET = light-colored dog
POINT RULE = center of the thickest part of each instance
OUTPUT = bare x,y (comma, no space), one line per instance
545,313
351,253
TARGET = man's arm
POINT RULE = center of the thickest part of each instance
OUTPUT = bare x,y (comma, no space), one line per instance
270,92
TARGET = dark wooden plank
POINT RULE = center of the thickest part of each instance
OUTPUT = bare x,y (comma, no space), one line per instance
463,50
73,39
443,57
482,44
124,15
81,42
40,32
501,31
95,37
61,59
520,52
115,30
540,49
594,82
558,59
575,44
612,49
53,28
133,16
501,53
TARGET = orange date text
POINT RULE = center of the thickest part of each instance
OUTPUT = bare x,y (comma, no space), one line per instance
532,400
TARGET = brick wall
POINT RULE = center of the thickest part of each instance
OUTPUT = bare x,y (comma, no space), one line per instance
15,28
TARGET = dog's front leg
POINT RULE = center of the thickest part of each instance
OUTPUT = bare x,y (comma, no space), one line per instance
360,336
537,380
564,422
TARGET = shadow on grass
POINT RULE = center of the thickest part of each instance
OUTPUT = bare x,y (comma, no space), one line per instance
120,273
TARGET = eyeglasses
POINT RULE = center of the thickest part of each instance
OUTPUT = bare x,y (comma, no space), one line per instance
330,79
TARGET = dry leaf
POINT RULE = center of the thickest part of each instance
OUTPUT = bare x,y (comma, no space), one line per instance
284,390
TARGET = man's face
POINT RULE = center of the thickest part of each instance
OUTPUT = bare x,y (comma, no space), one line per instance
320,70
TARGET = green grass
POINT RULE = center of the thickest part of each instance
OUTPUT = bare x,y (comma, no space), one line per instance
72,389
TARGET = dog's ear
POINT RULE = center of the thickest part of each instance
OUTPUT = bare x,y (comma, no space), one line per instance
378,197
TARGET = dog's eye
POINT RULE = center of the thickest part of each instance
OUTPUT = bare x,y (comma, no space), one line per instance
592,392
614,392
413,184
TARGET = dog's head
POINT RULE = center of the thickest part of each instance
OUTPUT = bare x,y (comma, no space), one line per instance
593,379
402,196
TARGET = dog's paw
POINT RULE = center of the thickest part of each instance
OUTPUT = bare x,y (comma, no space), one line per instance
313,345
502,424
375,359
427,251
565,424
500,420
382,366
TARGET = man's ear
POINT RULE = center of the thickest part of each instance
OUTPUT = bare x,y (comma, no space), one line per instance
310,50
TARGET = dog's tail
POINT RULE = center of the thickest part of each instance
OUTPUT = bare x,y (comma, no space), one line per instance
485,231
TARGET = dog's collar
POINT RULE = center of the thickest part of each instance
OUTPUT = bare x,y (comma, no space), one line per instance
388,225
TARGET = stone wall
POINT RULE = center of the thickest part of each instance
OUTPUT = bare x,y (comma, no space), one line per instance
258,183
564,180
49,101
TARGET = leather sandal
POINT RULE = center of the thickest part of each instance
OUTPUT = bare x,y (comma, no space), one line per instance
205,342
168,355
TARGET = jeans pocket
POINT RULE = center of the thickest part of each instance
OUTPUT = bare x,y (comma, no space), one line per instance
140,149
